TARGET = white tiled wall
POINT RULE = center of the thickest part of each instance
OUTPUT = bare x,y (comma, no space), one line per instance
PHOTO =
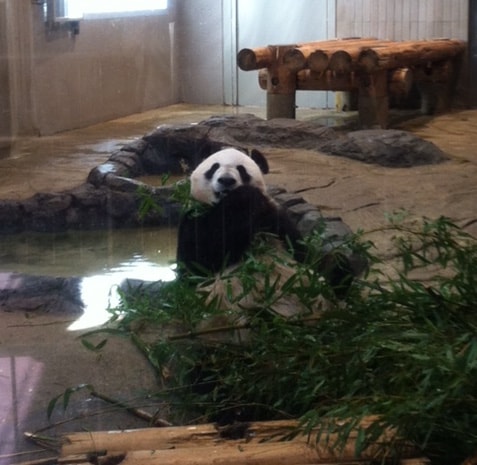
402,19
265,22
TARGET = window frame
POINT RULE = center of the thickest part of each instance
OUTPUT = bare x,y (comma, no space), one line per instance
116,14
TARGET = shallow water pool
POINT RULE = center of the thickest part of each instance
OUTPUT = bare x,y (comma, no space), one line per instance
87,253
102,259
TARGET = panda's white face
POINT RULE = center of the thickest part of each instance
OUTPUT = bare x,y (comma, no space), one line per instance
224,171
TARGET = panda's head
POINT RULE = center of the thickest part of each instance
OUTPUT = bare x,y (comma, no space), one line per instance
224,171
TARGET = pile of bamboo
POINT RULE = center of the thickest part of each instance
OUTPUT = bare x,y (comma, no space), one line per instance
259,443
372,66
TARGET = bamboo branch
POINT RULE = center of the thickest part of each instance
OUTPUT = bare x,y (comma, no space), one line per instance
152,419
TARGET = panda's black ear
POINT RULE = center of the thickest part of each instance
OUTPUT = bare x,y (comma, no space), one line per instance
259,158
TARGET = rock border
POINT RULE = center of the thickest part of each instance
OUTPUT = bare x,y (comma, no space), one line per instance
111,195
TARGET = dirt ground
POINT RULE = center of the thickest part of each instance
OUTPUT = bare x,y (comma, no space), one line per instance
364,194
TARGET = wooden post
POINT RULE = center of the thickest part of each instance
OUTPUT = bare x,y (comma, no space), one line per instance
281,87
373,100
437,85
400,81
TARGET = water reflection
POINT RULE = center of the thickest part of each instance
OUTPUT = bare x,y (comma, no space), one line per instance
102,259
99,292
88,253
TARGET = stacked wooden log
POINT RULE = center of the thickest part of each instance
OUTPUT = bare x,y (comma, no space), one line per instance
375,68
258,443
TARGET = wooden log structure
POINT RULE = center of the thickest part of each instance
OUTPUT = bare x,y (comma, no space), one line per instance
338,58
258,443
400,81
375,69
300,56
408,53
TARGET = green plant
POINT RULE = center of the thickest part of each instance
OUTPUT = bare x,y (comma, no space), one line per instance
396,347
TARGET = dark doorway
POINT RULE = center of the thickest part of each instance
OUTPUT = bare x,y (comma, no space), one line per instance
473,53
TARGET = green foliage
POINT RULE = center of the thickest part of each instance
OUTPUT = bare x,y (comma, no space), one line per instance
66,396
397,347
181,194
147,203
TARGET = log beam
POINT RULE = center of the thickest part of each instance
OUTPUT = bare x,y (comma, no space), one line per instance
315,55
327,81
339,57
249,59
408,54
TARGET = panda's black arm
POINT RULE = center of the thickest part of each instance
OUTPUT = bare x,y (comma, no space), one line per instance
279,223
186,245
215,239
195,245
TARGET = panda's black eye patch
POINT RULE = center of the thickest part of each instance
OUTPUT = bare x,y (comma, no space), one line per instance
211,171
244,176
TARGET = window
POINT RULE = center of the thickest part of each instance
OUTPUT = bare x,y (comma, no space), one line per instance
107,8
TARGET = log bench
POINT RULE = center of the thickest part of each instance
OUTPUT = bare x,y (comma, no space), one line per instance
374,69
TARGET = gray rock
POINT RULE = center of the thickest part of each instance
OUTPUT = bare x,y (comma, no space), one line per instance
19,291
386,147
11,216
130,160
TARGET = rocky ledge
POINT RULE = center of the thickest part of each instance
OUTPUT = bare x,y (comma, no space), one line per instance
111,195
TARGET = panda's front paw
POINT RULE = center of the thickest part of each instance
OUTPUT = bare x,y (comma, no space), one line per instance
244,197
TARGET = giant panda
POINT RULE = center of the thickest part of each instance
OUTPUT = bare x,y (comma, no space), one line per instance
229,187
231,184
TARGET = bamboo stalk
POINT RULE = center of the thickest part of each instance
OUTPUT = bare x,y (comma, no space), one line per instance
133,410
284,453
298,450
261,443
162,438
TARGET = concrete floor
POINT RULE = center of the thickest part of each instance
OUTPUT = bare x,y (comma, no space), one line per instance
62,161
40,358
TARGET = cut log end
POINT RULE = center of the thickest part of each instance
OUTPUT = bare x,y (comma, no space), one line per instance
249,59
340,62
294,59
318,61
